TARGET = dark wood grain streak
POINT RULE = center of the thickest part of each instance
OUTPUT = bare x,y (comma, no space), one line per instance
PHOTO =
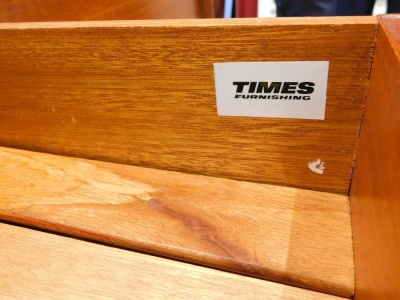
375,190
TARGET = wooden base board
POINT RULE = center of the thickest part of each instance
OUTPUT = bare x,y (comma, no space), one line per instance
298,237
35,264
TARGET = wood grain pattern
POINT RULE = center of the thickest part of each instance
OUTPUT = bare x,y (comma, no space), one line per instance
75,10
41,265
142,93
375,190
288,235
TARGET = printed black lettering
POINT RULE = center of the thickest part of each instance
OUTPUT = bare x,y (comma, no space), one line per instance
252,87
240,85
274,87
306,88
289,87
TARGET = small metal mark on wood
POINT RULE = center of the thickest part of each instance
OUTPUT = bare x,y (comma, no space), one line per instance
144,197
317,166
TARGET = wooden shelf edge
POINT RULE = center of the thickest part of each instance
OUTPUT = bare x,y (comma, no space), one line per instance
293,236
341,21
39,264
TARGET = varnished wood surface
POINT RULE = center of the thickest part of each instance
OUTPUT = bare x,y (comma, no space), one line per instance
75,10
375,191
288,235
142,93
38,265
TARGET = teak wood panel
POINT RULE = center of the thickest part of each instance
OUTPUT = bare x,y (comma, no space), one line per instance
39,265
375,191
143,93
76,10
288,235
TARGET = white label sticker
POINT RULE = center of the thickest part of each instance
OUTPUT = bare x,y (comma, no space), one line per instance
294,89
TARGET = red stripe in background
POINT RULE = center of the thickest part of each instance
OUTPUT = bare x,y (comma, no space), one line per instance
246,8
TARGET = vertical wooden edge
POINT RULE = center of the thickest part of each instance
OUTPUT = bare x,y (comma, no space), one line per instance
375,192
207,8
219,8
390,24
362,117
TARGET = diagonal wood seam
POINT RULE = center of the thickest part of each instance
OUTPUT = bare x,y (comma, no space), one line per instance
362,115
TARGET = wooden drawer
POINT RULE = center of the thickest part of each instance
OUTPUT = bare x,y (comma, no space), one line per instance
110,133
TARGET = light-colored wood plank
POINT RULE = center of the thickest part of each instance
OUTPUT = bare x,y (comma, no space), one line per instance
38,265
145,91
75,10
375,191
288,235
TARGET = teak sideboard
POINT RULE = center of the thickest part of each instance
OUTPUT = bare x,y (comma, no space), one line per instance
120,180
